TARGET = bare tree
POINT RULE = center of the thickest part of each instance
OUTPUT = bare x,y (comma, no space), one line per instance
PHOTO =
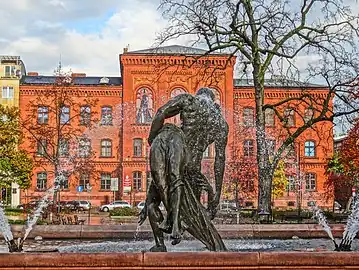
276,36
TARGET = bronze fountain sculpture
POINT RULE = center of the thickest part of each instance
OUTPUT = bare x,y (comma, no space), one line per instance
175,162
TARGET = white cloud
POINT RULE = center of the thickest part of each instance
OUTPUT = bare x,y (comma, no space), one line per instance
40,31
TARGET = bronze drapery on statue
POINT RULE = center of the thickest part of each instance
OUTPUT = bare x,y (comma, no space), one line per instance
175,161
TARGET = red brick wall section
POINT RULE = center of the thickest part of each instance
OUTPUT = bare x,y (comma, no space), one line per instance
182,260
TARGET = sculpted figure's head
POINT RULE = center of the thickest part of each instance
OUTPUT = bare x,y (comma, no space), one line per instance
205,91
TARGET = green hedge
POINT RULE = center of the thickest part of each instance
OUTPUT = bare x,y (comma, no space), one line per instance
124,212
13,210
17,222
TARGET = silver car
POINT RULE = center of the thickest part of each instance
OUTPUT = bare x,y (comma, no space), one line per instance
113,205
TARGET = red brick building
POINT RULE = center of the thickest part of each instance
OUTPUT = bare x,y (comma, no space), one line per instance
148,79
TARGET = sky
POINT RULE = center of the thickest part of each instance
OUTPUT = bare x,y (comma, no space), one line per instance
87,35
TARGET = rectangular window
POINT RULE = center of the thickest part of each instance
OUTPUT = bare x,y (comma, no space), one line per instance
137,147
137,180
84,147
84,180
269,117
248,148
42,115
291,183
41,180
42,147
106,148
248,117
85,115
10,71
309,149
106,116
105,181
310,182
64,115
7,92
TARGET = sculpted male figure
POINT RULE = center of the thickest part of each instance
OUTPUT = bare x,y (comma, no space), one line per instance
202,125
175,161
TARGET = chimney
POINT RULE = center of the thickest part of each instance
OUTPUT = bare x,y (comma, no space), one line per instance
31,73
78,74
125,50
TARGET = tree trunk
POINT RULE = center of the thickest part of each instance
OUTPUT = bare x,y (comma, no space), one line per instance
265,171
264,189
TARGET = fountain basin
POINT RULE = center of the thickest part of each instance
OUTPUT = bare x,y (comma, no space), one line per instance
184,260
127,231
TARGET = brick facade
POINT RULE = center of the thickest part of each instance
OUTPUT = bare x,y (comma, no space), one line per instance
147,81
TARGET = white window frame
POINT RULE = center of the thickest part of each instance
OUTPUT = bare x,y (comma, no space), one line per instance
7,92
12,71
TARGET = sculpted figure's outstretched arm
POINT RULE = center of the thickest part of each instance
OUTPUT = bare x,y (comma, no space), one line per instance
171,108
219,163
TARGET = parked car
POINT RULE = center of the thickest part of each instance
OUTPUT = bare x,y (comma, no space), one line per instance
83,205
71,205
78,205
227,206
141,205
113,205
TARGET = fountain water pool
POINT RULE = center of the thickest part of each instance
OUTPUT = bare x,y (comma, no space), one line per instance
234,245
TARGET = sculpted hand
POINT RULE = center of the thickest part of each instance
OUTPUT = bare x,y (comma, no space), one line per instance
142,216
212,209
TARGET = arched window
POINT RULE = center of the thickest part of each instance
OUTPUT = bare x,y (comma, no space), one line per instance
84,147
106,148
310,182
41,180
106,116
43,115
248,148
137,147
308,114
269,117
217,96
85,115
137,180
309,149
289,117
64,115
175,92
144,106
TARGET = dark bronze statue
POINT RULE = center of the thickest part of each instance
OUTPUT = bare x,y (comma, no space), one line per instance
15,245
175,161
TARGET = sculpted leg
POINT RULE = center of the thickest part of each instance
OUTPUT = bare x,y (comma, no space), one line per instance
156,217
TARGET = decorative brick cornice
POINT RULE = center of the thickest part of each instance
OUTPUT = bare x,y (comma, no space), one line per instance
277,95
185,61
75,91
